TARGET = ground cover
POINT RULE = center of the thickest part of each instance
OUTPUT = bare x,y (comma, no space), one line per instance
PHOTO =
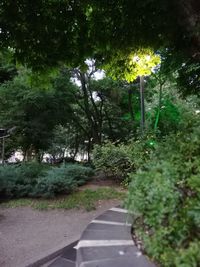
86,199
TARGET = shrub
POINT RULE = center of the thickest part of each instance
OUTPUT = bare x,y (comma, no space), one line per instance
62,179
34,179
81,174
19,180
117,161
30,170
7,180
112,160
164,197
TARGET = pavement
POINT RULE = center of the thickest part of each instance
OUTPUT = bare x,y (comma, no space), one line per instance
69,238
106,242
27,235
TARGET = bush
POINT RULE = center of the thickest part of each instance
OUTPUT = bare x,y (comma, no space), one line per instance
19,180
7,180
34,179
81,174
117,161
62,179
54,182
112,160
164,197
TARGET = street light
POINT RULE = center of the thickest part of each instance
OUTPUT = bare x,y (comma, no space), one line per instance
142,106
3,134
142,64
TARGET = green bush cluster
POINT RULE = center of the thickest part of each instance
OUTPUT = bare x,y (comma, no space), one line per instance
164,197
37,180
113,160
19,180
117,161
62,180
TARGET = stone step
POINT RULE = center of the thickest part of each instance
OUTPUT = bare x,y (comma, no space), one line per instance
62,262
107,242
67,258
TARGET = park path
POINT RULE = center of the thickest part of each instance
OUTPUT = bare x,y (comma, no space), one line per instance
27,235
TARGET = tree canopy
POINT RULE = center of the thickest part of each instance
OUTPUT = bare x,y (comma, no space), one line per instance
129,67
47,32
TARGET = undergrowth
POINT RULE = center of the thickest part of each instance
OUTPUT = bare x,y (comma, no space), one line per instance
86,199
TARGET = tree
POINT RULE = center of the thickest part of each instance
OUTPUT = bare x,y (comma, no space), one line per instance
47,32
188,78
120,105
35,112
66,140
99,109
8,69
130,67
55,115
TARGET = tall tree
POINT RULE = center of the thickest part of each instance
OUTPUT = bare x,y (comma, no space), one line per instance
47,32
35,112
8,69
130,67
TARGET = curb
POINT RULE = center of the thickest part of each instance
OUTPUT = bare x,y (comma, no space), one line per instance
50,256
107,242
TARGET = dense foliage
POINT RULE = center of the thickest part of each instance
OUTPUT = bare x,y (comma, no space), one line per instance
112,160
62,180
164,198
163,171
83,28
34,111
117,161
36,180
52,114
128,39
19,180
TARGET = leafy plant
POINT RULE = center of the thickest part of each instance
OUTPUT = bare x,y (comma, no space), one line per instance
19,180
37,180
164,198
117,161
62,180
112,160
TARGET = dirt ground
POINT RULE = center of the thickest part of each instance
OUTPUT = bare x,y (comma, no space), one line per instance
27,235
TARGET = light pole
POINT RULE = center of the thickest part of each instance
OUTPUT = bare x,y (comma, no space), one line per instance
3,134
141,65
142,106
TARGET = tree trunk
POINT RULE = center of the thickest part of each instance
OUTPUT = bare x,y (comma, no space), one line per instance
76,147
159,107
3,151
38,157
88,150
109,125
28,154
130,106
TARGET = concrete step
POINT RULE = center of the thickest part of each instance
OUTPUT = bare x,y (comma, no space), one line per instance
66,259
107,242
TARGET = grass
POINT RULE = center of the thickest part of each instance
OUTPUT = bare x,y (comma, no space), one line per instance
86,199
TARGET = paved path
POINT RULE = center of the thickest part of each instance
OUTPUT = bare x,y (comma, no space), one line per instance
27,235
106,242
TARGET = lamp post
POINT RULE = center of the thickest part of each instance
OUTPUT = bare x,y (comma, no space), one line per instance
3,134
142,106
141,65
